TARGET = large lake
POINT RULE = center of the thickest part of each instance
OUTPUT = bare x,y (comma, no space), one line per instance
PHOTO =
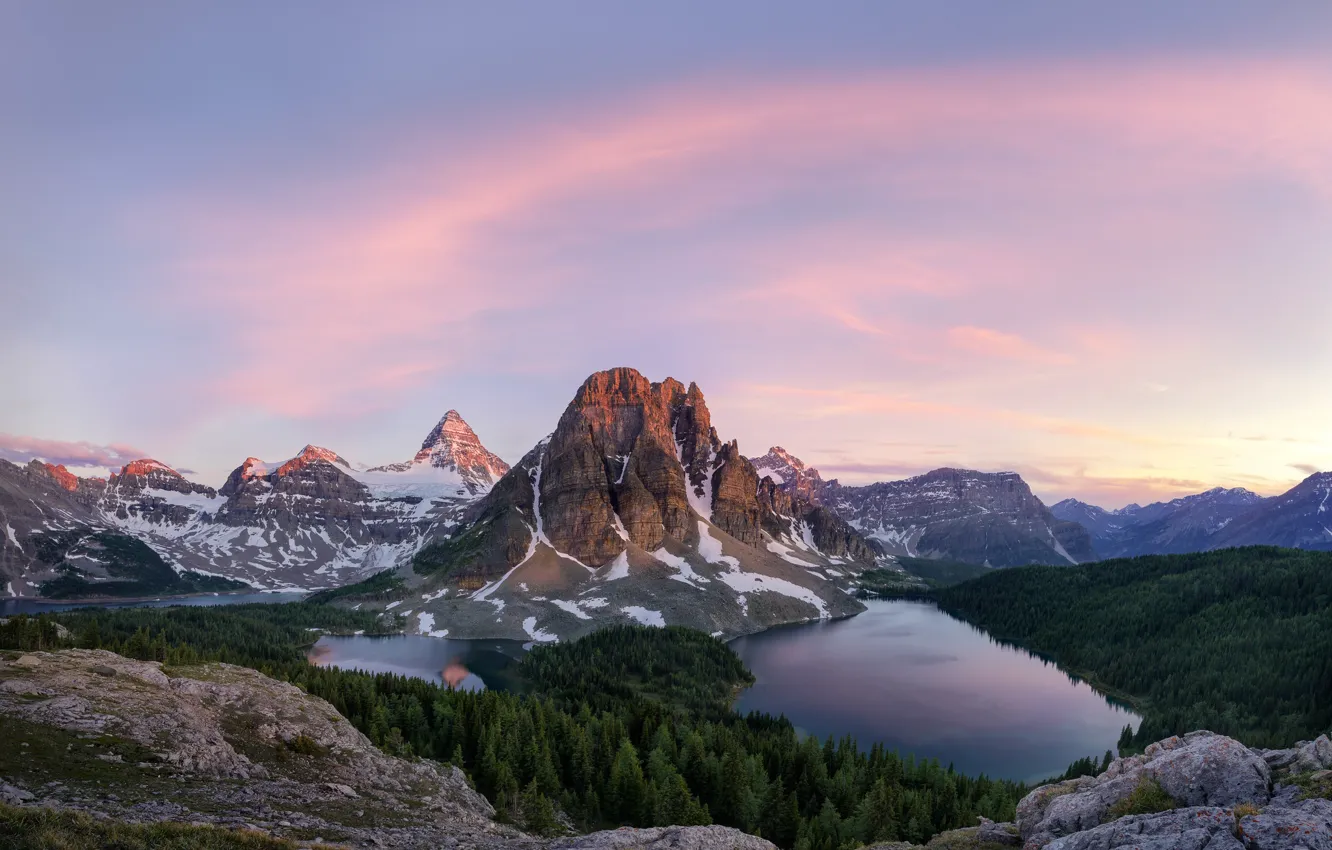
902,673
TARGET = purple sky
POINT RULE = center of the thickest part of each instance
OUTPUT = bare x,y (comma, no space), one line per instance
1090,245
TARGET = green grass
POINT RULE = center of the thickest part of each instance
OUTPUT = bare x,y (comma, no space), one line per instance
45,829
1147,799
1315,784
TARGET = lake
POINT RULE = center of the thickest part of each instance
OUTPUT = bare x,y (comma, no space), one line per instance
470,665
910,676
902,673
36,606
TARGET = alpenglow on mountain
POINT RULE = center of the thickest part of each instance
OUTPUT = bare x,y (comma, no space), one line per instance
307,521
633,510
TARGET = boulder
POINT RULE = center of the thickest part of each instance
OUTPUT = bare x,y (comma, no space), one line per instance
1315,755
1183,829
1200,769
1306,825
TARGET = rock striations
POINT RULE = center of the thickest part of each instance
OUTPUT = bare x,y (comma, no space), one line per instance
634,509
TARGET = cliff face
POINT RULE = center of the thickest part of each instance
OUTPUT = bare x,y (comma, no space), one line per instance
634,496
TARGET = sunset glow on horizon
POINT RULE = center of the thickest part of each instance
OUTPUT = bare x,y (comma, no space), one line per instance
1105,266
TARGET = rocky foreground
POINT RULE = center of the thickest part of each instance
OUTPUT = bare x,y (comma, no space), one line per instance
1198,791
91,731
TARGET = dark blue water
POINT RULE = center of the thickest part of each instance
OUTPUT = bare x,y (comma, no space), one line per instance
902,673
33,606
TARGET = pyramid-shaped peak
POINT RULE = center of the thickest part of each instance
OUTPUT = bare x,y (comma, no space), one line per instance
451,428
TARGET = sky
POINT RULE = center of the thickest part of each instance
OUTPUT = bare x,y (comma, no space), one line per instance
1087,242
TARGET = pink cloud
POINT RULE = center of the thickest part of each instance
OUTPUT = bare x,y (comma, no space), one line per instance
21,449
993,343
411,270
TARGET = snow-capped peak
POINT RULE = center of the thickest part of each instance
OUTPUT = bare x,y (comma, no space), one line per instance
453,448
145,466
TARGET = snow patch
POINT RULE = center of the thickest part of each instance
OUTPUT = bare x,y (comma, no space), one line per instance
784,552
645,616
9,532
530,626
684,572
711,548
439,594
752,582
767,472
619,568
392,605
571,607
425,624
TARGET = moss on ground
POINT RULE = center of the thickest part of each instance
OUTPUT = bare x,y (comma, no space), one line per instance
45,829
1148,798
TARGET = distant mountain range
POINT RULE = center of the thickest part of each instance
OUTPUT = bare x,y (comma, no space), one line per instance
1300,518
989,518
303,522
632,509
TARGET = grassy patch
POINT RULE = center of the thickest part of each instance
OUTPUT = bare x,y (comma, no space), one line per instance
1147,799
44,829
34,754
1315,784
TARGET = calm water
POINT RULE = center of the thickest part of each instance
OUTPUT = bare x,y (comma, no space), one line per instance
908,675
902,673
470,664
32,606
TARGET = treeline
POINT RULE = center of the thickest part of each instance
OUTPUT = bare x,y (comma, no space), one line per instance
1238,641
659,750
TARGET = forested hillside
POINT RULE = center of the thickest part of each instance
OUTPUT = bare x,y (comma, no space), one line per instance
613,733
1238,641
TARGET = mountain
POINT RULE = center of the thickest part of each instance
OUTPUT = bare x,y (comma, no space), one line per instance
634,509
959,514
790,473
312,520
1300,518
1186,524
451,454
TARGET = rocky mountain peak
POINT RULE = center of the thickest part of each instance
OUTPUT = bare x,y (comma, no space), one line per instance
790,473
452,453
309,455
147,466
62,476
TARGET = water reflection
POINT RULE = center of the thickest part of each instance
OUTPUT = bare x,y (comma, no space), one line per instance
907,675
469,665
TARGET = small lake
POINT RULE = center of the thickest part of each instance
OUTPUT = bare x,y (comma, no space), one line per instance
37,606
902,673
469,665
910,676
